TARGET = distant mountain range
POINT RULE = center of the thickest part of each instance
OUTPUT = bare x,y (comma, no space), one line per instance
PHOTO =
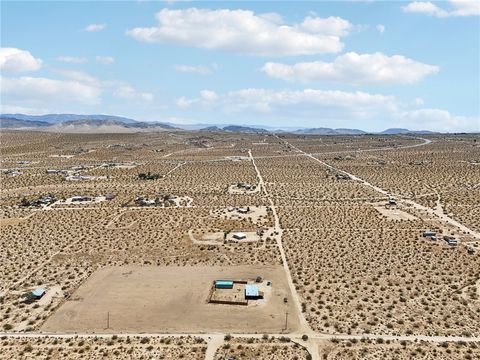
61,118
109,123
235,128
312,131
79,123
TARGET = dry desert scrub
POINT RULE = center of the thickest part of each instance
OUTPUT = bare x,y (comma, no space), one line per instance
113,347
355,270
360,273
265,348
400,350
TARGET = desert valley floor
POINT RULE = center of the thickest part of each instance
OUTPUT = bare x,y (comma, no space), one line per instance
362,246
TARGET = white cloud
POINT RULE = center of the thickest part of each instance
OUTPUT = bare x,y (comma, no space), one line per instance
381,28
196,69
457,8
270,101
437,119
106,60
95,27
40,89
332,25
243,31
72,59
184,103
69,88
312,107
17,60
79,76
355,69
13,109
208,95
129,93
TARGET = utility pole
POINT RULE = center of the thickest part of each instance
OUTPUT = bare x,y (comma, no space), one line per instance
108,319
286,320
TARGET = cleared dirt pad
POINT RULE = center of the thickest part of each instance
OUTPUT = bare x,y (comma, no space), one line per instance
171,299
394,213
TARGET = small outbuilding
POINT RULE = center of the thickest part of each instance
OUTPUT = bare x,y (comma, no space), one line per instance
452,242
239,236
223,284
34,295
38,293
252,292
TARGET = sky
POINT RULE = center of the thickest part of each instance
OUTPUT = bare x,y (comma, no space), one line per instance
369,65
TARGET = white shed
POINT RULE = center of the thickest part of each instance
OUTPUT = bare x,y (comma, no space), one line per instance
239,236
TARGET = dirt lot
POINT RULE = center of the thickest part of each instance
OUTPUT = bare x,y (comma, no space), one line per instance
170,299
393,213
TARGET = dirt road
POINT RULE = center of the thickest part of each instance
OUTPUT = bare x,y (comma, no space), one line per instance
305,327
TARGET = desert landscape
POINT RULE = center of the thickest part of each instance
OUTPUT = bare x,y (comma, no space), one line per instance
240,180
356,256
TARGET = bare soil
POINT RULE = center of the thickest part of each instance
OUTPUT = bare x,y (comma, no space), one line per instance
171,299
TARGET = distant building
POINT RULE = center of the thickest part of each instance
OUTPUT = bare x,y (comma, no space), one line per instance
239,236
452,242
223,284
81,198
252,292
429,233
36,294
242,210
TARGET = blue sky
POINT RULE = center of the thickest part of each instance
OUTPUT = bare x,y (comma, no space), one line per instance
358,64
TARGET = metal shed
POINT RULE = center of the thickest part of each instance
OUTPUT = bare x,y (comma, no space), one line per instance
239,236
251,291
38,293
223,284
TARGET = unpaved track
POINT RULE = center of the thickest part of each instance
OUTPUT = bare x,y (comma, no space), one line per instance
206,336
417,206
305,327
214,340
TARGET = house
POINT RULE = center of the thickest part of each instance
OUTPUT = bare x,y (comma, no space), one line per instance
239,236
38,293
81,198
242,210
429,233
223,284
452,242
392,201
252,292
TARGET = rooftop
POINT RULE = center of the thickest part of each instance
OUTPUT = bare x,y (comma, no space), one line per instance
251,290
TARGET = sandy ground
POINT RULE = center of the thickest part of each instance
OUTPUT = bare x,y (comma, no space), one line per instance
233,189
216,238
257,214
10,221
171,299
394,213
